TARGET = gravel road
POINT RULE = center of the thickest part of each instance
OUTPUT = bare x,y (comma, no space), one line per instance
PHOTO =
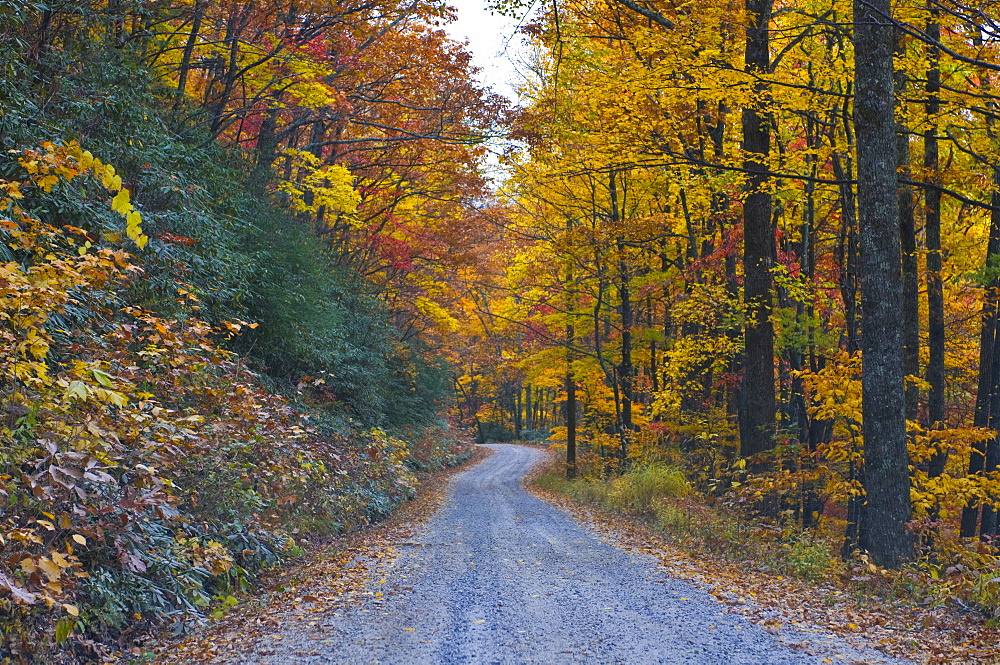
499,576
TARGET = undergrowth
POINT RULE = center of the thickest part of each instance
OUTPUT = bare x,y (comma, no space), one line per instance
146,473
662,496
707,525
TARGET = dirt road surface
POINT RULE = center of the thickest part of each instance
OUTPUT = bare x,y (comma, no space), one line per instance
499,576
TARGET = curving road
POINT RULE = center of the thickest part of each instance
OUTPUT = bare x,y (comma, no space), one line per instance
501,577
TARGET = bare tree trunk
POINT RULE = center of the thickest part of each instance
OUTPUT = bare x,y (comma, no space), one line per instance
986,455
570,378
886,475
847,255
623,372
757,421
182,73
570,414
517,413
932,226
908,242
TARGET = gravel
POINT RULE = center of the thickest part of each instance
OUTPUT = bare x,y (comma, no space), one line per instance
499,576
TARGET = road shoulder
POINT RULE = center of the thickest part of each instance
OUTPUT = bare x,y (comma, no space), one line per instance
815,620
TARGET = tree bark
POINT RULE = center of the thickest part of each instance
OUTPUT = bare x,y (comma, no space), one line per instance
932,226
626,369
988,526
570,379
986,455
517,413
622,374
908,242
185,67
886,475
570,414
757,420
847,255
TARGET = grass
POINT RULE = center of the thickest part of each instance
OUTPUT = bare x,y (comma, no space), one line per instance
637,492
663,497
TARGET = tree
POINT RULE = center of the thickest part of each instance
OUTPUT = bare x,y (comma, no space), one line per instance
886,477
757,417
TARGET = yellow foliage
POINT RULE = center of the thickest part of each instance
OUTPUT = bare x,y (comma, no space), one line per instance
320,186
436,313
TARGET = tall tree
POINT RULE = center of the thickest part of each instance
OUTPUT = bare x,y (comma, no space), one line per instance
886,477
935,287
757,418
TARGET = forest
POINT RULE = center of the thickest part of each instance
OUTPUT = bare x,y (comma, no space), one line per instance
225,227
255,274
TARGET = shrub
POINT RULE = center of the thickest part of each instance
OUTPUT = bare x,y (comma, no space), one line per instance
807,558
436,447
641,488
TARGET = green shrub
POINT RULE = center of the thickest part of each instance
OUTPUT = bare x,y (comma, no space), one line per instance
807,558
641,488
592,491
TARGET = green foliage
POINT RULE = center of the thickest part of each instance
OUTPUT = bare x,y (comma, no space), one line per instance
186,476
218,248
808,558
643,487
640,490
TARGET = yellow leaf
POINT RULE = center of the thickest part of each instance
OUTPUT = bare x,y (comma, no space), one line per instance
121,203
51,570
77,390
80,540
72,610
60,560
133,222
39,348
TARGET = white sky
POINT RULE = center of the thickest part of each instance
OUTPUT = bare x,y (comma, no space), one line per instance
493,42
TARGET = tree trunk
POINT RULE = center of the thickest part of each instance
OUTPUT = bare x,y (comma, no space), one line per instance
988,527
266,152
932,226
847,255
570,414
908,242
185,67
986,455
570,378
234,26
886,475
529,414
626,369
517,414
623,372
757,421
